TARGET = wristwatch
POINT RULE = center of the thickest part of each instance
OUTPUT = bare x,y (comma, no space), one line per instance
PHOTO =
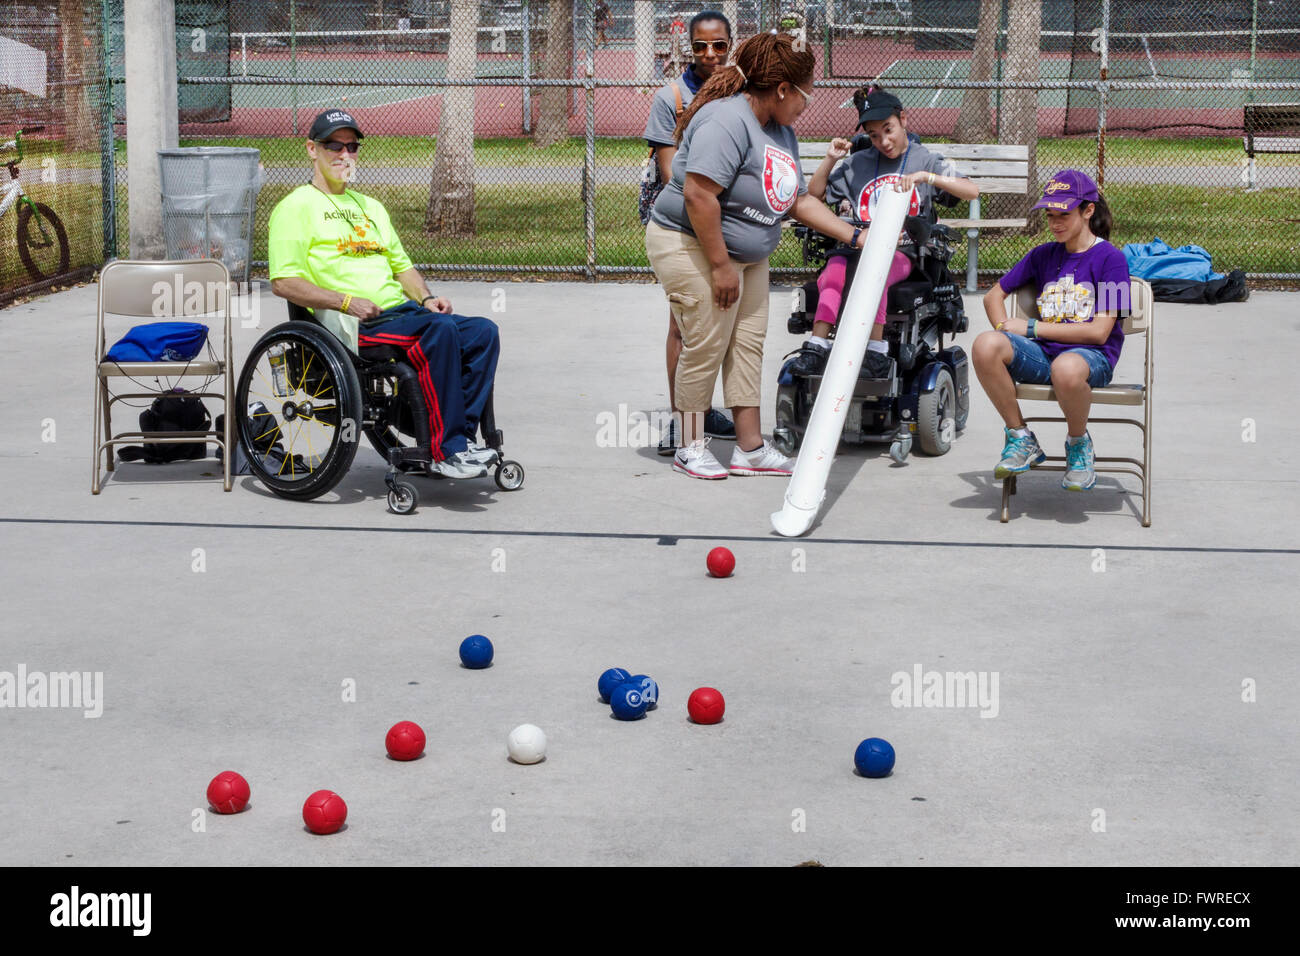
1030,330
854,241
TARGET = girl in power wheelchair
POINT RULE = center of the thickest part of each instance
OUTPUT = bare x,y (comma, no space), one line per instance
910,383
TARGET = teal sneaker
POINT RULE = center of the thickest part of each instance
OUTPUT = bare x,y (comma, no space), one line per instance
1019,455
1079,460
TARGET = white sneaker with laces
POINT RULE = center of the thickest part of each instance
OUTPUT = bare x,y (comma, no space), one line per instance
697,461
762,461
456,466
480,455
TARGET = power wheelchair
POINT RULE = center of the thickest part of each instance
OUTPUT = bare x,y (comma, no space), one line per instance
927,393
307,399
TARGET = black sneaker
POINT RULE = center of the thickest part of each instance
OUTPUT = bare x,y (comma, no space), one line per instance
718,425
877,365
811,359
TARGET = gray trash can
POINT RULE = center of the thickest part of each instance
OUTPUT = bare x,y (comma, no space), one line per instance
209,196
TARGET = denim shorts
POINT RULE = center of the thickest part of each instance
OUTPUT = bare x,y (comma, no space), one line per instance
1030,366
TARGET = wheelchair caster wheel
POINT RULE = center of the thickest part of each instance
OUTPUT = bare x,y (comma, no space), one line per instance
403,498
509,475
900,449
783,441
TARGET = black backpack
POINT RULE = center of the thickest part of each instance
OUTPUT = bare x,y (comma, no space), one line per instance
264,444
174,412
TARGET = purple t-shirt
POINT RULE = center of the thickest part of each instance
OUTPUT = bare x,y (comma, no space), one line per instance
1074,287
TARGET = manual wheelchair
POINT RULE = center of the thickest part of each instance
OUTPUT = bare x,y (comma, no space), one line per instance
927,393
307,398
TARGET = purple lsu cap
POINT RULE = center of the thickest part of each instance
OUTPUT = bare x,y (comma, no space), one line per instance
1066,190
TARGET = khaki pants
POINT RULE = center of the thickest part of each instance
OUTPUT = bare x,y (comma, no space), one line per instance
712,338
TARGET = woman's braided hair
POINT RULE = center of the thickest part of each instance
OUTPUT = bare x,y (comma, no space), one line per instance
761,63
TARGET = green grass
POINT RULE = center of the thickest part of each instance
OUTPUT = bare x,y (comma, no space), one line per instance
288,152
543,224
79,209
619,151
380,151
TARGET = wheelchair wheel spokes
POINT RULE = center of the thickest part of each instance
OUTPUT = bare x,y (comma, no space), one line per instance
299,438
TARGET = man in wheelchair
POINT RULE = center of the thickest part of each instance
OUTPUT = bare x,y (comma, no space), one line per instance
910,384
331,248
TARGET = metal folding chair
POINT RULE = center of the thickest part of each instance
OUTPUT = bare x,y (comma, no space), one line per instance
151,291
1138,321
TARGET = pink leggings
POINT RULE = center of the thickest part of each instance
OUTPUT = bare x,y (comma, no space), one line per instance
830,286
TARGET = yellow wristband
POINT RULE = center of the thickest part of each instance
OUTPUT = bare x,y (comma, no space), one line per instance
347,301
932,178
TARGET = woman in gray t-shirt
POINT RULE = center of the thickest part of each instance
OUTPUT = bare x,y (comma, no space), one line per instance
735,176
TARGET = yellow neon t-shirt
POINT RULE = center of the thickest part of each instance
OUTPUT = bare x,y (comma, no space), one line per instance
345,243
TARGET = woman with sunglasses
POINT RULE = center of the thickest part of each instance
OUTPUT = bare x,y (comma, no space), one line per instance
735,176
710,34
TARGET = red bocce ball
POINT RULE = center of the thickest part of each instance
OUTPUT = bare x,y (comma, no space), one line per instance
228,792
324,812
721,563
405,741
705,705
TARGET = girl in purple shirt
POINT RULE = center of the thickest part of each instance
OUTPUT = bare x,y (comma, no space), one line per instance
1082,285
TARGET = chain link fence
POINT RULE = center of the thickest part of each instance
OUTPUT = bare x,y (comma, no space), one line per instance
53,116
504,136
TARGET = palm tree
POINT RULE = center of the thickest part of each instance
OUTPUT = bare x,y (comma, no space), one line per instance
1019,121
975,121
450,213
79,121
553,103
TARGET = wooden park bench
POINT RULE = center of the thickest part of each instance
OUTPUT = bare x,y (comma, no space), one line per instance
994,168
1269,118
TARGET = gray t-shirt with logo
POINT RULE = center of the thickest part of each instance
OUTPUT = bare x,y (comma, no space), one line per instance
862,175
756,166
662,122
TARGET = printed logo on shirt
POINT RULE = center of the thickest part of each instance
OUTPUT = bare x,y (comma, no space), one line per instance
1066,301
780,179
870,195
359,243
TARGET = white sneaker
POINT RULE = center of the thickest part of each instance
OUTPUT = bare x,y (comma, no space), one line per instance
697,461
456,466
763,461
480,454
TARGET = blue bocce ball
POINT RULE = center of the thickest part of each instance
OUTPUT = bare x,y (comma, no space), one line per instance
476,651
609,680
874,757
649,689
627,702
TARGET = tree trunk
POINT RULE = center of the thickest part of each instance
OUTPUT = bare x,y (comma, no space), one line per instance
975,121
79,121
450,214
1019,122
553,101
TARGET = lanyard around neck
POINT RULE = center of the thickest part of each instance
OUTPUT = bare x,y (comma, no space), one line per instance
901,166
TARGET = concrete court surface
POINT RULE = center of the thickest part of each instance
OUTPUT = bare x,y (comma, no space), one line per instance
1143,713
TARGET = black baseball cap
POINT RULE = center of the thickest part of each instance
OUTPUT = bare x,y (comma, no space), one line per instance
876,104
331,120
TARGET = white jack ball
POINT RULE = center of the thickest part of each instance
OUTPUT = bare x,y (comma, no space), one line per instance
526,743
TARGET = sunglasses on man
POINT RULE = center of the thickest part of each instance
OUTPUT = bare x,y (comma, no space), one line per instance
336,147
719,47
